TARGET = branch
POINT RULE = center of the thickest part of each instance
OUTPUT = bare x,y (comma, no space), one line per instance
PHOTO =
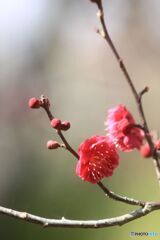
119,198
108,222
67,145
138,96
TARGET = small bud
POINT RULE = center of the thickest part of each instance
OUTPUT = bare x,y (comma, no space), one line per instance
45,101
53,144
102,33
56,123
145,151
65,125
157,144
34,103
99,14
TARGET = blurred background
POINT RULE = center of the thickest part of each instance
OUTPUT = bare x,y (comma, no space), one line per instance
50,47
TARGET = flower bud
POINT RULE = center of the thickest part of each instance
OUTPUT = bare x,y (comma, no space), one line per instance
56,123
145,151
65,125
45,102
157,144
53,144
34,103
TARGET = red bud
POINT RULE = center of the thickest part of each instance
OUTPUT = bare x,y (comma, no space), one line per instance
157,145
34,103
53,144
65,125
56,123
145,151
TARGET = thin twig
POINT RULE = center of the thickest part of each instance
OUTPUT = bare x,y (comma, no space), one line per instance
119,198
138,96
67,145
145,90
108,222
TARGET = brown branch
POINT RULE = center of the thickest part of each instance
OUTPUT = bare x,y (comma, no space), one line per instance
67,145
138,96
108,222
119,198
145,90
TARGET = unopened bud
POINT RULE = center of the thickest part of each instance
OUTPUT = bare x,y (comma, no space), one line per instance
53,144
56,123
65,125
157,145
145,151
99,14
45,101
34,103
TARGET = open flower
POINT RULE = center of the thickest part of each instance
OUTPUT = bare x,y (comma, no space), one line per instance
98,159
121,130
